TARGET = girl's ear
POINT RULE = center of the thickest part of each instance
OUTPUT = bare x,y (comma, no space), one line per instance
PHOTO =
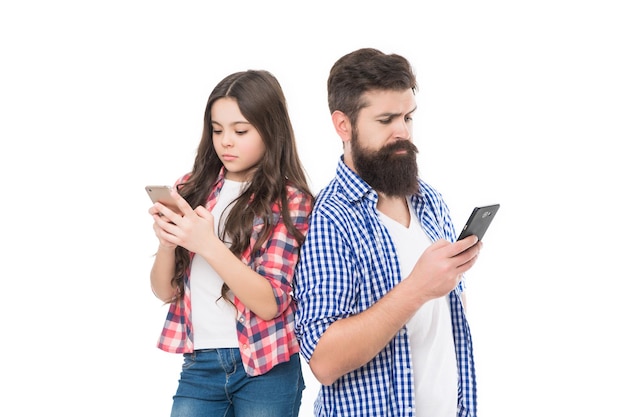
342,125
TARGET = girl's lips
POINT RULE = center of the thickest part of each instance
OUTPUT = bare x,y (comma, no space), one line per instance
229,157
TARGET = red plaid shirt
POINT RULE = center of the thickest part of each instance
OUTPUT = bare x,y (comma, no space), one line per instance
263,344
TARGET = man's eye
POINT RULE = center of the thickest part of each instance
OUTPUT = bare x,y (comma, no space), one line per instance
385,121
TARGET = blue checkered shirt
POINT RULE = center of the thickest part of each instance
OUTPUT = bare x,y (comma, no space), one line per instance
349,262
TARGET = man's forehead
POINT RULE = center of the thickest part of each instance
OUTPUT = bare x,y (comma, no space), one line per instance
389,102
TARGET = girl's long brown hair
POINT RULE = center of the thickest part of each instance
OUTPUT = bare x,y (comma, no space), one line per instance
262,102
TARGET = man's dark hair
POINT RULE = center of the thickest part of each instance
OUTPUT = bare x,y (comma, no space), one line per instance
365,70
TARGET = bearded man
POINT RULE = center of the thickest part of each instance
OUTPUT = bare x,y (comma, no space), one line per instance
379,284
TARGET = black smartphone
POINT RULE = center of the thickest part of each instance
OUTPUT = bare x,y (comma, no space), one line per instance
479,221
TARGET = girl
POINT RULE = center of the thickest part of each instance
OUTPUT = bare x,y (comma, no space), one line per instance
227,255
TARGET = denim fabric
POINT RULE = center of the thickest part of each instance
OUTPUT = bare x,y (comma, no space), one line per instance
213,382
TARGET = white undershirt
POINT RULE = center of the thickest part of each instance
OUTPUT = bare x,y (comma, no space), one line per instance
213,320
430,331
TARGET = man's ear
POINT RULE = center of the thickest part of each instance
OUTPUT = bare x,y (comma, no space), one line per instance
342,125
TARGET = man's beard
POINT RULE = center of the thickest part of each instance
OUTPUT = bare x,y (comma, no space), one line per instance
386,171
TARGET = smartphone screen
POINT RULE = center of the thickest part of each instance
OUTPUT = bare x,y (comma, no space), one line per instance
479,221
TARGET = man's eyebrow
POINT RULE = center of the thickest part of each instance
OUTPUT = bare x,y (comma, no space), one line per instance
392,115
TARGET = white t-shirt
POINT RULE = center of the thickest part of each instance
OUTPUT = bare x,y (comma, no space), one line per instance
433,354
213,318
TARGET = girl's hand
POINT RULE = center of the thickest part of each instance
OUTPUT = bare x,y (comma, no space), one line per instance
156,212
191,229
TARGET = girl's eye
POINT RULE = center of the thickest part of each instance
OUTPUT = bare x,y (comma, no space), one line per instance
216,131
241,132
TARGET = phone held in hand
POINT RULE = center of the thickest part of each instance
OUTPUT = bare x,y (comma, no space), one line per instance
162,194
479,221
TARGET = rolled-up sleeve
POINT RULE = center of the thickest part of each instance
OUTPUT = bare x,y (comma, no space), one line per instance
324,287
280,253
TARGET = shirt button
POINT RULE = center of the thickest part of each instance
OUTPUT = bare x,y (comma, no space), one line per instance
246,347
241,319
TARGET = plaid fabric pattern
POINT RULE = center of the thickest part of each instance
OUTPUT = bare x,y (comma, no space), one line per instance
263,344
347,263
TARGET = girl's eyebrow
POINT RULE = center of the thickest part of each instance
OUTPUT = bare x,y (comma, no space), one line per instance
240,122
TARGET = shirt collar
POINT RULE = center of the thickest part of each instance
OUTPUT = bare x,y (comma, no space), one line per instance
355,187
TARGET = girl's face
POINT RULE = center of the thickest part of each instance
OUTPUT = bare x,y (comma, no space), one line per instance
237,143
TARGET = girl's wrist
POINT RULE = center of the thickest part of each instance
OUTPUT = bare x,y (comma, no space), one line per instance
166,248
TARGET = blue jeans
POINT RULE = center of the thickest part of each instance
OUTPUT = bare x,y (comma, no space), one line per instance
214,383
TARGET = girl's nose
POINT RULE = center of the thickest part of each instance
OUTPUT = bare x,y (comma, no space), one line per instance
226,140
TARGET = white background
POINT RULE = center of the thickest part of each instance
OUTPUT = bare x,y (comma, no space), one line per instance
520,103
